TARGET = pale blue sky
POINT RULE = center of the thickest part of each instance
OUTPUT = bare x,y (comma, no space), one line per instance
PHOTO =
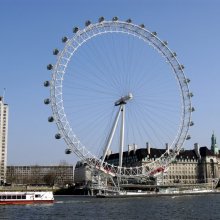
30,30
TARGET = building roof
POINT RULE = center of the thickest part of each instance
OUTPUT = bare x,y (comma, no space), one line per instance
156,153
187,154
204,151
140,153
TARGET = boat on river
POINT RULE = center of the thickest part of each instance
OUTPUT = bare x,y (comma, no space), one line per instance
31,197
166,192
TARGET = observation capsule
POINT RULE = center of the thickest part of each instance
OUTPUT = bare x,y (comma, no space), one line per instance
87,23
173,54
191,123
188,137
46,83
190,94
142,25
46,101
187,80
51,119
128,20
164,43
101,19
58,136
154,33
115,19
55,51
192,109
68,151
49,66
75,29
64,39
181,67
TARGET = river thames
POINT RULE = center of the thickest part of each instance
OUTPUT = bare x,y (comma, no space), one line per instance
73,207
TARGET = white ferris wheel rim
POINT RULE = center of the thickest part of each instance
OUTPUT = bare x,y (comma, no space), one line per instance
56,96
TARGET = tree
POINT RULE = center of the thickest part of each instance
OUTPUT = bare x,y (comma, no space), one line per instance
35,177
50,178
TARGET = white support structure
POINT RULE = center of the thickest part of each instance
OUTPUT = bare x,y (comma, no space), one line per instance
122,136
121,103
109,141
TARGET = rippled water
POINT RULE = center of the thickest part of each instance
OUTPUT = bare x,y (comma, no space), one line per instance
73,207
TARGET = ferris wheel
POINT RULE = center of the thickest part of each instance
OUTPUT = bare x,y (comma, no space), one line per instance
116,84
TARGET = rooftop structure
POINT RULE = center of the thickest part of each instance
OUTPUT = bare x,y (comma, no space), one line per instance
214,146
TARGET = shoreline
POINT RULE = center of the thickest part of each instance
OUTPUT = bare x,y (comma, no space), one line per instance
156,194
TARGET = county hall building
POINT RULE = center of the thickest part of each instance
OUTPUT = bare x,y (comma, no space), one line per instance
198,165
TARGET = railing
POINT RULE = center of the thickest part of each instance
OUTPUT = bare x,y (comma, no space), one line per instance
105,188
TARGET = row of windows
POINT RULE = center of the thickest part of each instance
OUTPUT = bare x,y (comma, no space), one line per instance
179,166
188,164
182,177
38,174
182,172
13,197
40,170
186,181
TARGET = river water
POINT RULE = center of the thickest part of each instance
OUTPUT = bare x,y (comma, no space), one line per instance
197,207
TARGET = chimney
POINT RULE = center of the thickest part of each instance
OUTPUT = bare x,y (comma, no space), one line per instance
109,152
130,147
196,148
134,147
167,148
148,148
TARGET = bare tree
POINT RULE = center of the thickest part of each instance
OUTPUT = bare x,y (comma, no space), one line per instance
35,177
50,178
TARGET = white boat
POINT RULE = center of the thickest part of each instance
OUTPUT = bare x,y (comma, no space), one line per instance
26,197
166,192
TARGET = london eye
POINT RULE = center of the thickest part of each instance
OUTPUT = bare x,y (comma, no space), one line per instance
115,86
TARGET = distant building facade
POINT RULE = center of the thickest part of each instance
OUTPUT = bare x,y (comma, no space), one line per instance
37,175
3,139
199,165
82,174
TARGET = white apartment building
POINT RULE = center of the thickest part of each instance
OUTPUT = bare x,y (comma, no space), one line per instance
3,139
